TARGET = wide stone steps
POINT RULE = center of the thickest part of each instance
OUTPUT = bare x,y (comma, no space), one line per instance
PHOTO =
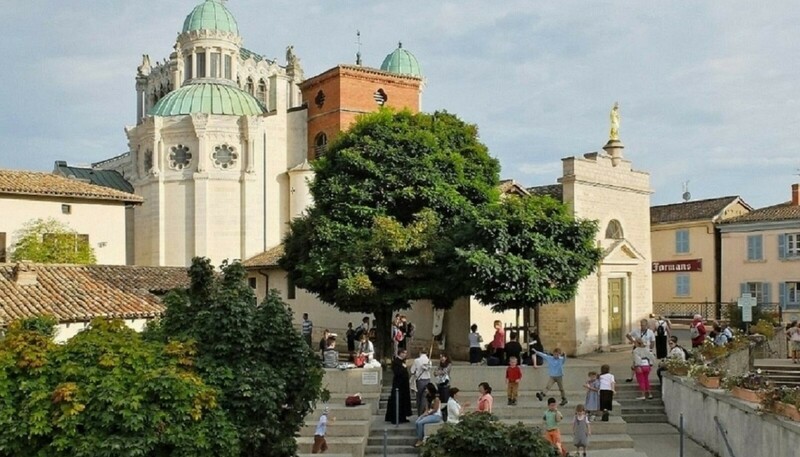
780,372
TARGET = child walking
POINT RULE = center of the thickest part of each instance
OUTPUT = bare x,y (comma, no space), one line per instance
608,385
551,419
581,429
592,386
555,369
513,377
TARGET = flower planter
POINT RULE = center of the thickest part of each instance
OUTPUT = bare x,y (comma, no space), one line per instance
679,371
788,411
710,382
752,396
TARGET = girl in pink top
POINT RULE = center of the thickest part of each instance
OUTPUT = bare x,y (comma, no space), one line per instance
485,401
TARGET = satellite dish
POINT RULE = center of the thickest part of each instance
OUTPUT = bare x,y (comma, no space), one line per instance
687,196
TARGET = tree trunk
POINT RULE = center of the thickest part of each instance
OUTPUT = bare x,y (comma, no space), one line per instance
383,335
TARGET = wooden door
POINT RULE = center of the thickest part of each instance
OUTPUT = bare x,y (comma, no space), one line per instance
616,309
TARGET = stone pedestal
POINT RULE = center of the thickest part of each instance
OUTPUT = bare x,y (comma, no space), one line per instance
614,149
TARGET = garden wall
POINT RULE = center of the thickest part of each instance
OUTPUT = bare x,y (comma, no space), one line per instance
749,431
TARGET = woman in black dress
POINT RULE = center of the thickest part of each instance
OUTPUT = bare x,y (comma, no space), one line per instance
400,384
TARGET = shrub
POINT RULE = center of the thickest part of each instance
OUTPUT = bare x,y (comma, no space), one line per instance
480,434
751,381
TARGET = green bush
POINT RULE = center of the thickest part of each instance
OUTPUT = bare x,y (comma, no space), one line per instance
482,435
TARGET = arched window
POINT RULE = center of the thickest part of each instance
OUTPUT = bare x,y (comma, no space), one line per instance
262,91
614,230
248,87
320,144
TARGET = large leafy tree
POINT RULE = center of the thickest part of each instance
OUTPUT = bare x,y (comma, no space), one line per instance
266,375
106,392
527,251
388,195
51,241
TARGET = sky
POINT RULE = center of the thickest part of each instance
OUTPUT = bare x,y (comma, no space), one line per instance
708,91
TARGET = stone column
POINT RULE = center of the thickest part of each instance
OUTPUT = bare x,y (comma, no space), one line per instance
614,149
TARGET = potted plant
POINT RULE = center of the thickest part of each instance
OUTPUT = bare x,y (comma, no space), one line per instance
708,376
677,366
748,387
783,401
709,351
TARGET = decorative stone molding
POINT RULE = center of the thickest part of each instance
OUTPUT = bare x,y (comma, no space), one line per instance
224,157
179,157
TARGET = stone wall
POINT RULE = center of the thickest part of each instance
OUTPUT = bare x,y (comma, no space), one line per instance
749,431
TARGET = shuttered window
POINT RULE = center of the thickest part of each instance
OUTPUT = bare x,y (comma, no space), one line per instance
755,249
3,247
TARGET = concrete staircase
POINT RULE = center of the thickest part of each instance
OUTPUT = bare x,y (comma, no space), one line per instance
640,411
780,372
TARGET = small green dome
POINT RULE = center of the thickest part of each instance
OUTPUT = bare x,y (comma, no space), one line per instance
210,15
209,98
401,62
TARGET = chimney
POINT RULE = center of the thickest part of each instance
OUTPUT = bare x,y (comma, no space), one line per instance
25,274
795,194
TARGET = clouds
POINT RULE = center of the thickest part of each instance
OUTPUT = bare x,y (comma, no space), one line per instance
708,90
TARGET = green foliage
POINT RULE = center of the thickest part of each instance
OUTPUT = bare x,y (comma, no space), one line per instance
50,241
482,435
763,327
266,375
526,251
759,313
105,392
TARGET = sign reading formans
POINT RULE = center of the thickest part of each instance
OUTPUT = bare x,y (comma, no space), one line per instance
678,266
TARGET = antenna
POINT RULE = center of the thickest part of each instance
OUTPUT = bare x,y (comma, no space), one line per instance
358,43
686,195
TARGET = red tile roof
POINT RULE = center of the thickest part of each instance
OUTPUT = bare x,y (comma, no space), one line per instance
698,210
780,212
267,259
47,184
81,292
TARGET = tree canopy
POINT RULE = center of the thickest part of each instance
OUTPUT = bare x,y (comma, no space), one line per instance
51,241
388,194
527,251
266,375
105,392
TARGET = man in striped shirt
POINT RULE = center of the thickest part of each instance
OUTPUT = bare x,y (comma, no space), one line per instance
307,329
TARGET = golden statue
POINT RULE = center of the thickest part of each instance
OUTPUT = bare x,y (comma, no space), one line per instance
614,134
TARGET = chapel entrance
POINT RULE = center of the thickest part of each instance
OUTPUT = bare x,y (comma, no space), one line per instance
616,309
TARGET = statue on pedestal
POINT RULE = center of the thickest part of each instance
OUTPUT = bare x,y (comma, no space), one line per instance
614,133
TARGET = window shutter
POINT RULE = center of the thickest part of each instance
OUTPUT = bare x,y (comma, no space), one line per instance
782,246
782,293
678,241
765,292
3,247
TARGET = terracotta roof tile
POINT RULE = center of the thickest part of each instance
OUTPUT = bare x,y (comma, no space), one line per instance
267,259
82,292
552,190
48,184
780,212
699,210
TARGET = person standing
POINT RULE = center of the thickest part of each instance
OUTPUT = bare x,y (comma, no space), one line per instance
643,359
608,387
401,393
307,329
442,373
475,340
421,370
644,333
697,331
499,342
663,332
513,377
351,341
551,418
581,430
320,445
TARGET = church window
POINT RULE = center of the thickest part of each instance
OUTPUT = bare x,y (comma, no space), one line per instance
201,64
262,91
614,230
148,160
66,209
248,87
224,156
228,67
320,144
215,62
179,157
380,97
320,99
187,68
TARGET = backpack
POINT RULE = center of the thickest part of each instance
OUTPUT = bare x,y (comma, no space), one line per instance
398,335
686,354
694,332
660,329
410,330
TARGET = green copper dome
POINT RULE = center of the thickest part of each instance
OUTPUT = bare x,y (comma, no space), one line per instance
401,62
211,15
209,98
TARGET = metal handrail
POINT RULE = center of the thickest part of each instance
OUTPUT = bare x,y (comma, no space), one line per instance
724,434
